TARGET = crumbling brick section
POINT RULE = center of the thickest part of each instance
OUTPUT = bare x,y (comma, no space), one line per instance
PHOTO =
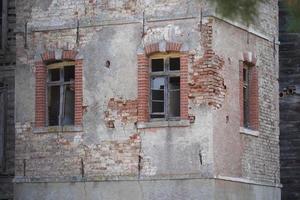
61,156
113,158
40,94
207,83
78,92
123,110
253,97
143,88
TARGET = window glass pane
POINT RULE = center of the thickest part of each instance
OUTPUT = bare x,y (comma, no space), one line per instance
174,83
68,117
53,105
174,104
54,74
174,64
157,65
69,73
157,107
245,75
158,83
158,95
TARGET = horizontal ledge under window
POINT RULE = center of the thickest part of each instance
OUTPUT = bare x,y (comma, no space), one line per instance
248,131
58,129
162,124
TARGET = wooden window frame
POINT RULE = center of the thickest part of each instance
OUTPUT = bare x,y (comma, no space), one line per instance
167,74
61,83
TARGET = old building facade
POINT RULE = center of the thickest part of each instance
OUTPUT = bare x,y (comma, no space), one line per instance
130,99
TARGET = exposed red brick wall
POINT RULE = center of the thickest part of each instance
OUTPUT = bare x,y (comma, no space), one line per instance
40,94
207,83
184,90
254,101
253,97
78,92
143,88
48,57
126,111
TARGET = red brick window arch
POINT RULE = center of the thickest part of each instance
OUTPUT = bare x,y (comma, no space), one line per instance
58,90
162,83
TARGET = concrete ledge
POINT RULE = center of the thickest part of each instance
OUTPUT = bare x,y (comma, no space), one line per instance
247,181
191,189
74,179
58,129
162,124
250,132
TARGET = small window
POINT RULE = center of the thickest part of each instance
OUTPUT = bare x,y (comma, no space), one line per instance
165,88
246,97
61,96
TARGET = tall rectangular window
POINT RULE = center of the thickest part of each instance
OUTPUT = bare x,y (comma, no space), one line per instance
61,95
246,97
165,88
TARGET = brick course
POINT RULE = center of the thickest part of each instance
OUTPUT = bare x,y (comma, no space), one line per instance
40,94
143,88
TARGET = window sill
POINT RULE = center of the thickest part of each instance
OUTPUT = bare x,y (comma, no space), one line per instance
58,129
162,124
248,131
